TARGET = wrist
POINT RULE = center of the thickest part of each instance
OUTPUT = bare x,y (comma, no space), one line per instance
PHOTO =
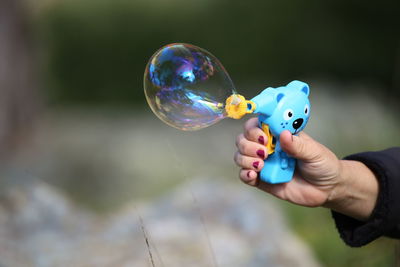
339,195
356,191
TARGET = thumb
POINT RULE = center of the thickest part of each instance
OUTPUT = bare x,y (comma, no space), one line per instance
301,147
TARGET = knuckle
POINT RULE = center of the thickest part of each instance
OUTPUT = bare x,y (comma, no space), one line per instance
235,157
242,146
239,159
239,138
252,134
247,124
249,132
250,123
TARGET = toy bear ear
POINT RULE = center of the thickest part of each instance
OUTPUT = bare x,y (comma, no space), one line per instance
305,89
298,85
279,97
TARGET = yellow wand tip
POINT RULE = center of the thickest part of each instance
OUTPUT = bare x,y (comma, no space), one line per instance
237,106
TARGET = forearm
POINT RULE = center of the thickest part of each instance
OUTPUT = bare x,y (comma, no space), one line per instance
356,193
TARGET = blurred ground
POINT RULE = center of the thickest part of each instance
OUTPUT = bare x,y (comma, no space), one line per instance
201,223
105,159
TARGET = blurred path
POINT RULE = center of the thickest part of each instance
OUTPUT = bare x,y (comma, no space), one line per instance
40,227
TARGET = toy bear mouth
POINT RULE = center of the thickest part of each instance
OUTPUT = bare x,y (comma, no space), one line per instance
296,131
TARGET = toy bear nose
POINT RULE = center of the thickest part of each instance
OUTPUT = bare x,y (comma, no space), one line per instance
297,123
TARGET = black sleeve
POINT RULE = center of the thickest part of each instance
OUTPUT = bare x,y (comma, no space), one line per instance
385,219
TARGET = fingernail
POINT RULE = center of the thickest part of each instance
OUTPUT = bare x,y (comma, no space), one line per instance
292,138
261,153
255,164
261,139
248,174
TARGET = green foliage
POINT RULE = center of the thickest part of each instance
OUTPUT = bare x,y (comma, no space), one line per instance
97,49
316,228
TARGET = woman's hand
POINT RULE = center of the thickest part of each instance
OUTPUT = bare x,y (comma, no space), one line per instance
320,179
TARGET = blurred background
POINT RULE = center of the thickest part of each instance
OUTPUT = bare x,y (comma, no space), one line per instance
83,157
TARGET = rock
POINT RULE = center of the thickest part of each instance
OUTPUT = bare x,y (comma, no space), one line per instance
201,223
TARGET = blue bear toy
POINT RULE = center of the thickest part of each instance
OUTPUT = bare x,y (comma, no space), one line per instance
279,109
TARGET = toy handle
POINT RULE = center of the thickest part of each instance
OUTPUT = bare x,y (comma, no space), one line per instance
270,143
278,166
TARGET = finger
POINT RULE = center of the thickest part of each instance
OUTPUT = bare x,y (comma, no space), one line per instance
297,191
249,148
249,177
277,190
302,147
246,162
282,190
253,133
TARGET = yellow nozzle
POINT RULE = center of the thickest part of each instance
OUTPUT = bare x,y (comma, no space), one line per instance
237,106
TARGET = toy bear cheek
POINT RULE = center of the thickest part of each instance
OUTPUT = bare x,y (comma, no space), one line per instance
285,124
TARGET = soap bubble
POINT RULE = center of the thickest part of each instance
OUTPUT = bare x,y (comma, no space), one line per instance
186,86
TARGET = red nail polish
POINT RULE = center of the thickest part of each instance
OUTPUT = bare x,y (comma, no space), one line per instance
255,164
261,139
261,153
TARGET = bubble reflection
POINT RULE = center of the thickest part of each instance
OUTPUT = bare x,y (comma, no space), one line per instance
186,86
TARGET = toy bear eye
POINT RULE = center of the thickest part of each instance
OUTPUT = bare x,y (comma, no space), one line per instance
288,114
306,109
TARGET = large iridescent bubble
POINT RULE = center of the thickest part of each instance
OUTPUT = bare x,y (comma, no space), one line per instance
186,86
